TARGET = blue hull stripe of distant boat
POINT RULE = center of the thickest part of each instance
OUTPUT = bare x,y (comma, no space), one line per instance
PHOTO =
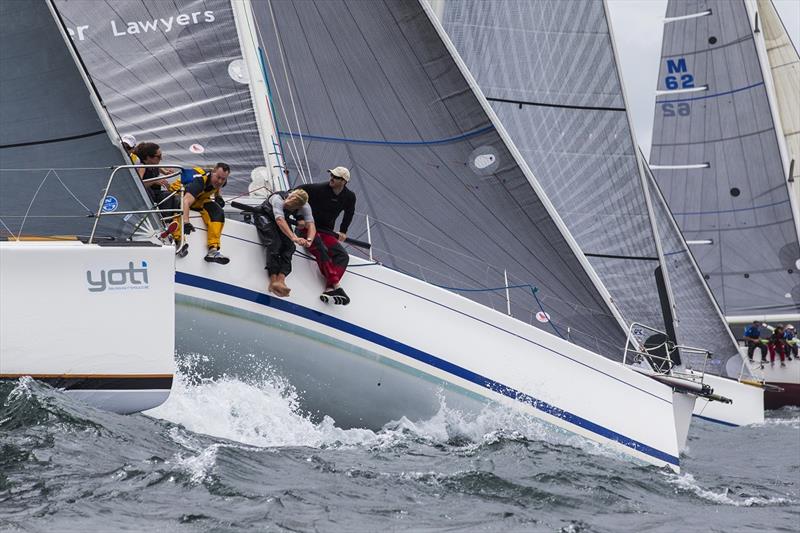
381,340
714,420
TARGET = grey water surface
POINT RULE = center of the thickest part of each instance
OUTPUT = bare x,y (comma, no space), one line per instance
230,455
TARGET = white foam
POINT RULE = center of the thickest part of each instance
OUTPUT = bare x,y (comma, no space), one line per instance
686,482
265,413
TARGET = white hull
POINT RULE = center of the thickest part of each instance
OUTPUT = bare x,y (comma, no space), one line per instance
747,406
786,378
402,343
97,321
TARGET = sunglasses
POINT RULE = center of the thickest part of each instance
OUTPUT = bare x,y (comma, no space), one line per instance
336,177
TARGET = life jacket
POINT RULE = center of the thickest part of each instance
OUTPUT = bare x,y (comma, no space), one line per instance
752,331
189,176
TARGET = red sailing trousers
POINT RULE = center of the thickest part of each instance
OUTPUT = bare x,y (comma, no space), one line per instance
333,262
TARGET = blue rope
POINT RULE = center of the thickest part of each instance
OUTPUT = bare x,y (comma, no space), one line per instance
402,143
533,290
269,99
709,95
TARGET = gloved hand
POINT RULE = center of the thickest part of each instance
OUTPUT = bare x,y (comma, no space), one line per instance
220,201
188,228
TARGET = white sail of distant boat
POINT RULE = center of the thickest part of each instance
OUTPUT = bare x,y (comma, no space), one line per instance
549,70
76,289
720,156
449,201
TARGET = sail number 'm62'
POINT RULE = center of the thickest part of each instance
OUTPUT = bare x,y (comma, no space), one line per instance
677,77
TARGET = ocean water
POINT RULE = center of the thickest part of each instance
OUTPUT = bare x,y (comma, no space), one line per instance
229,455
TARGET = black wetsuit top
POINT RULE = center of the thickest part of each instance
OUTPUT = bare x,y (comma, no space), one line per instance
326,205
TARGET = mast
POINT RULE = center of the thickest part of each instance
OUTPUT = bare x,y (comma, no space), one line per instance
259,94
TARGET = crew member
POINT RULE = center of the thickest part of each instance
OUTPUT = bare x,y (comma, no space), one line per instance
203,193
790,340
328,201
272,223
752,336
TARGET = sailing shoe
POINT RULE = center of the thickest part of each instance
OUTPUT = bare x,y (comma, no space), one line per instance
340,297
327,296
169,230
783,364
213,256
182,251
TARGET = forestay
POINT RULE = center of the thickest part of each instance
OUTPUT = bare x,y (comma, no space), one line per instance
55,153
377,90
173,73
700,321
550,72
713,116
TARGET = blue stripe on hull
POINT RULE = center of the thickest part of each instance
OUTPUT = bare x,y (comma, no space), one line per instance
714,420
396,346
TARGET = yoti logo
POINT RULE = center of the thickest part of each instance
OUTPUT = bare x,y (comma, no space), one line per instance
118,279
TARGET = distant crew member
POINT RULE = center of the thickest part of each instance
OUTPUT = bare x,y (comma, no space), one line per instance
328,201
776,344
790,338
272,222
752,336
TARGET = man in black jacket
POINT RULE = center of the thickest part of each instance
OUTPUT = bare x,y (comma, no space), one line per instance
328,201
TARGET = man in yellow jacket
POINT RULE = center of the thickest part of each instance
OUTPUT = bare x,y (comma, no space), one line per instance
204,194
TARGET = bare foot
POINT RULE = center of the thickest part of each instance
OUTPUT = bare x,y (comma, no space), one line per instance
280,289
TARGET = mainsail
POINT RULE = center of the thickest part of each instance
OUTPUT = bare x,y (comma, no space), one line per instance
569,119
174,73
716,156
55,152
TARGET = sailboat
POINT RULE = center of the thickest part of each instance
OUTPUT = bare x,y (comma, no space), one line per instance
725,142
550,72
77,292
451,211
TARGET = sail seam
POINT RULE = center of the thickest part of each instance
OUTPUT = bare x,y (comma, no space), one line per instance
562,106
705,50
721,139
59,139
733,210
612,256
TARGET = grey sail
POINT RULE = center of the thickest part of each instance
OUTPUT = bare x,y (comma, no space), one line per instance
172,73
55,153
700,321
549,71
378,91
713,116
568,118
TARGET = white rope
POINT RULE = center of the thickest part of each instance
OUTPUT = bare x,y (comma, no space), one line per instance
22,224
292,143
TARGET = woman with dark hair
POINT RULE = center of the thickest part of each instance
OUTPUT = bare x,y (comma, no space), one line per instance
149,153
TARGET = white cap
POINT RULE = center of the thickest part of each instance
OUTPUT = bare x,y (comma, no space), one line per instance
789,326
130,140
340,172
